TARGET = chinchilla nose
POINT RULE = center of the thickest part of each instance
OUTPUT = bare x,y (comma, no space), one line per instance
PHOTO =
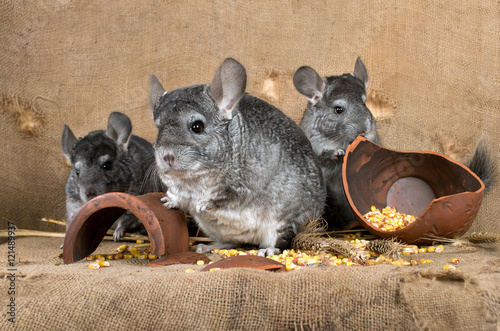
91,193
169,159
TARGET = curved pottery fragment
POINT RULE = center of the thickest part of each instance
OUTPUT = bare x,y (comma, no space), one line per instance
443,194
246,261
167,229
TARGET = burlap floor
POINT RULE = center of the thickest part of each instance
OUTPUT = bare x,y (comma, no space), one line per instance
131,295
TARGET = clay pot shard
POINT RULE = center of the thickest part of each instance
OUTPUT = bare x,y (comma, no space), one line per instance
179,258
443,194
246,261
166,228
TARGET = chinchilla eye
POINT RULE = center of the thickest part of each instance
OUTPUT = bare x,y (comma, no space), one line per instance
339,110
107,165
77,172
197,127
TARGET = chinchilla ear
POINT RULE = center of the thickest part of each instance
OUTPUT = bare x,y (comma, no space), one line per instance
360,71
228,86
156,90
119,129
309,84
68,141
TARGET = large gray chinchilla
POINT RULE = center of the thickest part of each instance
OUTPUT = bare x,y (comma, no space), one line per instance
238,165
336,114
109,161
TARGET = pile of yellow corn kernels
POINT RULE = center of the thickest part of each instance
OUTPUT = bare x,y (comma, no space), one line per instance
388,219
122,252
291,259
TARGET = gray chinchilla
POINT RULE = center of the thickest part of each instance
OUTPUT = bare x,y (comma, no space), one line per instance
109,161
238,165
336,114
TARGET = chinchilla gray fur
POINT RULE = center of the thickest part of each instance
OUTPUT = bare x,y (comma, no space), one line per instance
335,115
238,165
109,161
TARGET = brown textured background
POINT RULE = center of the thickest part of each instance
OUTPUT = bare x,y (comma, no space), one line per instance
437,63
435,83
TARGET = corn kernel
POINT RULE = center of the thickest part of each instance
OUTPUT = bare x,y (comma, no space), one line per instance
127,256
133,249
449,267
109,257
200,262
142,256
139,241
440,249
431,249
189,271
118,256
422,250
214,269
90,257
94,266
153,257
455,260
102,263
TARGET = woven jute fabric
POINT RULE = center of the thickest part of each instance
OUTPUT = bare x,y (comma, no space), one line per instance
131,295
434,69
434,81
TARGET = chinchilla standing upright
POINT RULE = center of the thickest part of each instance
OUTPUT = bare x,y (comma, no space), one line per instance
238,165
335,115
109,161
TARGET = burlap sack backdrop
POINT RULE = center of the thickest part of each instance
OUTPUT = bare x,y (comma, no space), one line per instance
434,85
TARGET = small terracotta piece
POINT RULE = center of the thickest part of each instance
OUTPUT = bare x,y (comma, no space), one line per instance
167,229
247,261
187,257
443,194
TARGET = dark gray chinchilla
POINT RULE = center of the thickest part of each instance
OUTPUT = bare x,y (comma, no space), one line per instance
238,165
336,114
109,161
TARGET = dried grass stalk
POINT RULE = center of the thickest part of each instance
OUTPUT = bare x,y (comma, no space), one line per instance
312,238
388,247
474,240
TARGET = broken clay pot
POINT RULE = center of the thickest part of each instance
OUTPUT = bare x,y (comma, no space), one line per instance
443,194
167,229
187,257
246,261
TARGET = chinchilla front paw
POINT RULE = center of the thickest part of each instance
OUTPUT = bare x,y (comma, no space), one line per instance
170,201
339,153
